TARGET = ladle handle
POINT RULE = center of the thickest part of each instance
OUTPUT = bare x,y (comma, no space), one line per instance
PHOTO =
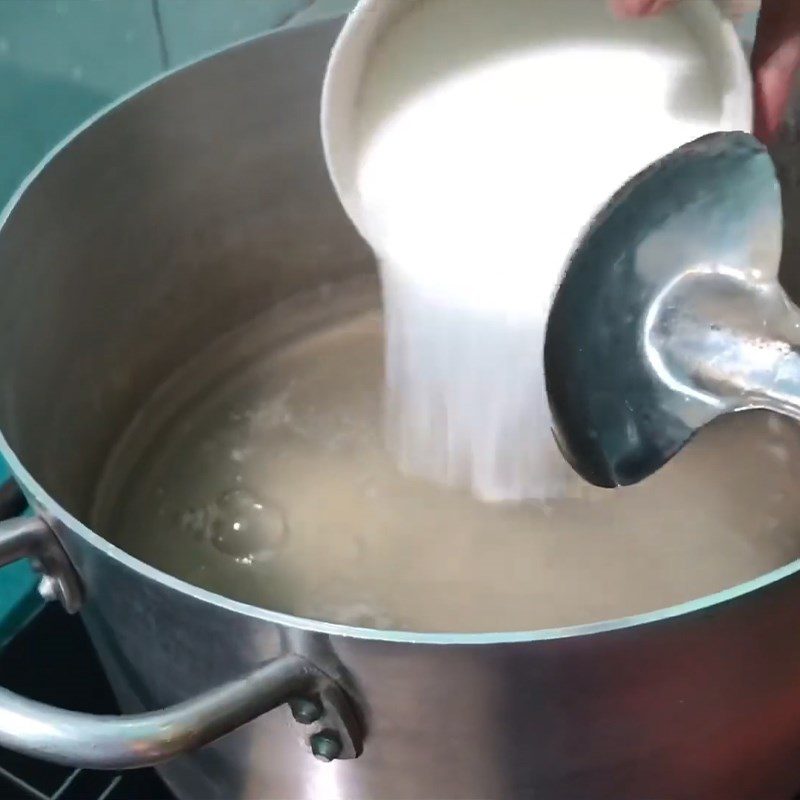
130,741
766,369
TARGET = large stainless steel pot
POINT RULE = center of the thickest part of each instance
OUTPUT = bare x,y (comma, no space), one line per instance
169,220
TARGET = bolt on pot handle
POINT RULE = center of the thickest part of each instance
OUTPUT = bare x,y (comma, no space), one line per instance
130,741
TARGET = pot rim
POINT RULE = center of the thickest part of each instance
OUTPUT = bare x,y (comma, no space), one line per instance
51,508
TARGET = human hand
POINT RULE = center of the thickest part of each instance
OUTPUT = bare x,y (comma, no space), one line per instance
776,55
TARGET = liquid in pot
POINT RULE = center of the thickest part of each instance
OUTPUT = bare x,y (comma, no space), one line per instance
259,472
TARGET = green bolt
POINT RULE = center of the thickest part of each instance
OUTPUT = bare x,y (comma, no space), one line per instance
305,711
326,746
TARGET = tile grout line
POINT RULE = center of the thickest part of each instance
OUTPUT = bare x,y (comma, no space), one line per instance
163,52
61,789
110,788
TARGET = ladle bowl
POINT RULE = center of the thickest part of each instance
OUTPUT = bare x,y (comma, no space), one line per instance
670,313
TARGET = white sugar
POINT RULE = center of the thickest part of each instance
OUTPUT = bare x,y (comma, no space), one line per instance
489,135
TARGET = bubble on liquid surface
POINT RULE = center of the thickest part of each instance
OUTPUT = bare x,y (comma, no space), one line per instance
360,615
247,528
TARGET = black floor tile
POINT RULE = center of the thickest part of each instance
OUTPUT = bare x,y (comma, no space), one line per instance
53,661
14,789
86,784
139,785
46,778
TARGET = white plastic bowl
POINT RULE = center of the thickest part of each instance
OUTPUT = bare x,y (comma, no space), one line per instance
371,18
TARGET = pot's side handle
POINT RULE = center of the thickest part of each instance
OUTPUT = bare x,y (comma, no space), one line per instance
140,740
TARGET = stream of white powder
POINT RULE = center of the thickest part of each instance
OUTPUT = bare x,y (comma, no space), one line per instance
487,140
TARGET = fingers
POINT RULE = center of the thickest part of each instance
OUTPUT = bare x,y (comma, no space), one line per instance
776,62
640,8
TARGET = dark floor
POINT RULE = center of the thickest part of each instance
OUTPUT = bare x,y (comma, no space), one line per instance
51,660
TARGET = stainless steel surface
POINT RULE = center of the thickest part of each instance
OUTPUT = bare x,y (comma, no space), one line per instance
179,216
140,740
32,538
670,313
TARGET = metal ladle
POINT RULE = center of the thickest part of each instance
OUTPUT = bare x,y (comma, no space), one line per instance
670,313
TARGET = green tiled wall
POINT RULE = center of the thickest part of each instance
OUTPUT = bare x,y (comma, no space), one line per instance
194,27
18,598
62,60
321,9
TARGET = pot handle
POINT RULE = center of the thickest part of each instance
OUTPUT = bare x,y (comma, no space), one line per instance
130,741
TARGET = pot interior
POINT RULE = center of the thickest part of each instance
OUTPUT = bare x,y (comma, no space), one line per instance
183,261
259,471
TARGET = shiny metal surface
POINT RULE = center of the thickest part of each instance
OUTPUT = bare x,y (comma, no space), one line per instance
140,740
670,313
179,216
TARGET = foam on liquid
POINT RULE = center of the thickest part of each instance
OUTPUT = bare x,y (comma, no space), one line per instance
488,139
